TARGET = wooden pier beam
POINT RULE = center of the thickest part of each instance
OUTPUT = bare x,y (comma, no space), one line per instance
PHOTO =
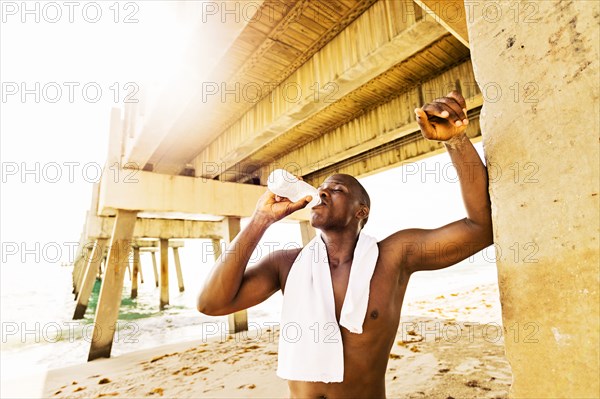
450,14
92,270
184,195
164,273
109,301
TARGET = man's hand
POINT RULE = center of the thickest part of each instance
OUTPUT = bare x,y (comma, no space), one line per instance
272,208
444,118
230,287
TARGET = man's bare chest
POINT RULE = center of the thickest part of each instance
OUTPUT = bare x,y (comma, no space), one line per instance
384,287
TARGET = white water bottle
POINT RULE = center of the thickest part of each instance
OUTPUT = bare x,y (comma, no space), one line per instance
284,184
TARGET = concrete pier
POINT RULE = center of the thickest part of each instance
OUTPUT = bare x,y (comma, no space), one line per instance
237,321
91,272
109,301
540,137
136,269
178,269
164,273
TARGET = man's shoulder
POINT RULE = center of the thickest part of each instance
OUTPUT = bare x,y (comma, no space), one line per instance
285,260
395,242
393,248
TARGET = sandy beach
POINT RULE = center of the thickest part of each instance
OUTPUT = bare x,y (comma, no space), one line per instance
450,346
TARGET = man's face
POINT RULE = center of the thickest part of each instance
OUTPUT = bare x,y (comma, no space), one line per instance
339,204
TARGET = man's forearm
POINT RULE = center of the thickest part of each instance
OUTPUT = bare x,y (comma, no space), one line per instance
225,279
473,179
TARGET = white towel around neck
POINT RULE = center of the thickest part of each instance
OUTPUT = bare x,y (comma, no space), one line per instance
310,342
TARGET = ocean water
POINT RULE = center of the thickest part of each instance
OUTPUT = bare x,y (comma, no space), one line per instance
37,305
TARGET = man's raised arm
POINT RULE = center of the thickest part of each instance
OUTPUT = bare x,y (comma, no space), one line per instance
229,286
445,120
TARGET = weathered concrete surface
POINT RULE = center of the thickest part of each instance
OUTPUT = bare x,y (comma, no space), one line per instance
144,191
541,141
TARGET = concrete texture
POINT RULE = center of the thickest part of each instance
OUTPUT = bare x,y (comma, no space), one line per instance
537,65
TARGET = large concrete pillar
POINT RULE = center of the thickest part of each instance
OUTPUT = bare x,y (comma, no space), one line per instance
109,301
537,65
237,321
95,259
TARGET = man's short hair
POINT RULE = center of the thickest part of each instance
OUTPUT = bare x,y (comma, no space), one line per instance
363,196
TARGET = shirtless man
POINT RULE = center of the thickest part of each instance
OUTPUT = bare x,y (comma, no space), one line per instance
340,216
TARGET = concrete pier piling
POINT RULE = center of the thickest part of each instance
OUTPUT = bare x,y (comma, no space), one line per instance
541,145
90,275
136,272
164,273
109,300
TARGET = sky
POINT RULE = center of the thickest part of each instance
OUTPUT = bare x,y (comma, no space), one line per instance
54,139
62,69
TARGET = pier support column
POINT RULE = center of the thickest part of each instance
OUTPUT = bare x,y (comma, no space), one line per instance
102,267
81,265
136,268
129,272
307,232
77,263
109,301
140,269
164,273
237,321
178,269
93,268
153,254
540,135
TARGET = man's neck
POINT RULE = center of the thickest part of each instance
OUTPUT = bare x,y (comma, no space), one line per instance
340,245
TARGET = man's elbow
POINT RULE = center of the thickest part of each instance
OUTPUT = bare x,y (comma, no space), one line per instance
486,235
204,306
488,232
210,308
482,233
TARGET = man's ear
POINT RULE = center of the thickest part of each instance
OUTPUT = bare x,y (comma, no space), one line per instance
363,212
